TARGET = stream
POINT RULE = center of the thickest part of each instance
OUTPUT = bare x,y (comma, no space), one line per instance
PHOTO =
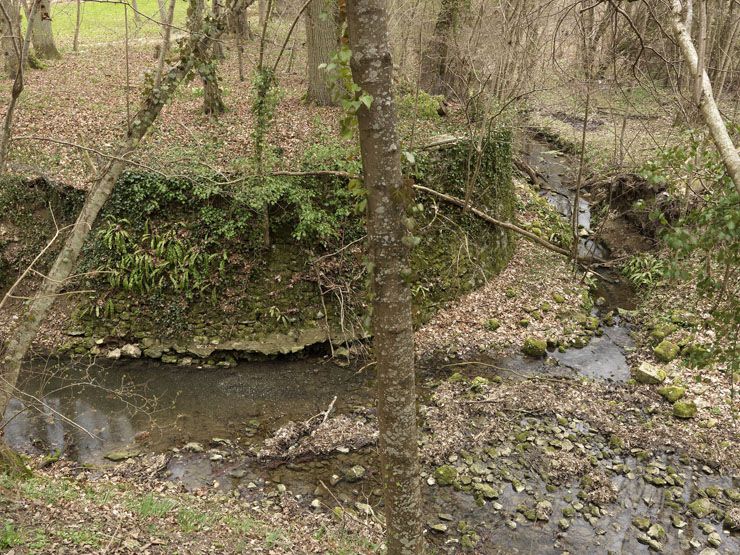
142,406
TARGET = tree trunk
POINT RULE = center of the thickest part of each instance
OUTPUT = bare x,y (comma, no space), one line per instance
10,27
78,20
164,49
28,324
218,13
437,76
42,36
707,104
322,37
393,333
213,104
262,6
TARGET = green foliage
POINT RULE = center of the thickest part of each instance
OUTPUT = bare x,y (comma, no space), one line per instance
428,105
706,244
345,92
158,260
644,270
152,506
549,224
9,537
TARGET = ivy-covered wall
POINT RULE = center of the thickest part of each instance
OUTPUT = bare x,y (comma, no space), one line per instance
183,270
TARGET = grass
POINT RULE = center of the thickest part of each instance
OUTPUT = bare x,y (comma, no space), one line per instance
9,536
104,21
149,506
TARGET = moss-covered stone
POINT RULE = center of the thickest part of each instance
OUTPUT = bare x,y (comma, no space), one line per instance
648,373
702,507
446,475
479,383
666,351
485,490
661,331
534,347
672,393
684,409
493,324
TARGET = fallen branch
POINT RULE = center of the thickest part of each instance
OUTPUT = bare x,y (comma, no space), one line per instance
506,225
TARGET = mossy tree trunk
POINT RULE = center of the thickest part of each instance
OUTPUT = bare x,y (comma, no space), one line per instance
322,39
42,35
27,325
200,24
393,343
437,76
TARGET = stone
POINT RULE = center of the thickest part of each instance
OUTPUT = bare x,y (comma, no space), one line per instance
114,354
558,298
534,347
672,393
733,494
479,384
446,475
648,373
354,473
684,409
440,528
316,504
653,544
709,551
364,508
169,359
543,510
193,447
563,524
153,351
641,523
122,455
485,490
334,480
661,331
702,507
677,521
714,539
732,519
657,532
493,324
238,474
131,351
666,351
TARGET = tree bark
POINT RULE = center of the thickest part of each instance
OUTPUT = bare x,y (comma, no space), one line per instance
164,49
707,104
10,27
436,74
78,20
27,325
393,342
218,13
322,38
42,36
213,104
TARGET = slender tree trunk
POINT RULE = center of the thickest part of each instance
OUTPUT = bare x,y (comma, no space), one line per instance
436,74
27,325
262,7
393,343
165,47
20,49
707,104
42,35
137,15
218,13
322,38
78,21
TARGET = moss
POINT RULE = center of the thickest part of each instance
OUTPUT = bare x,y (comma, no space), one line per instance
666,351
534,347
672,393
446,475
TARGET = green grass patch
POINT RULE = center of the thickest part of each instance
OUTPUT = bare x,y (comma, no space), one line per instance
9,536
150,505
192,520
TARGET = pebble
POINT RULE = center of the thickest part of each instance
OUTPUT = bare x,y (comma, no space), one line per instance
316,504
714,539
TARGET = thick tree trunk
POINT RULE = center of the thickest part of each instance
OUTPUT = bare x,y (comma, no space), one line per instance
322,38
27,325
393,343
10,27
707,104
42,36
437,77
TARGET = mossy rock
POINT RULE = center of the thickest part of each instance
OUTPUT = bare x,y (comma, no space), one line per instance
666,351
479,383
493,324
534,347
648,373
702,507
684,409
558,298
661,331
672,393
485,490
446,475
